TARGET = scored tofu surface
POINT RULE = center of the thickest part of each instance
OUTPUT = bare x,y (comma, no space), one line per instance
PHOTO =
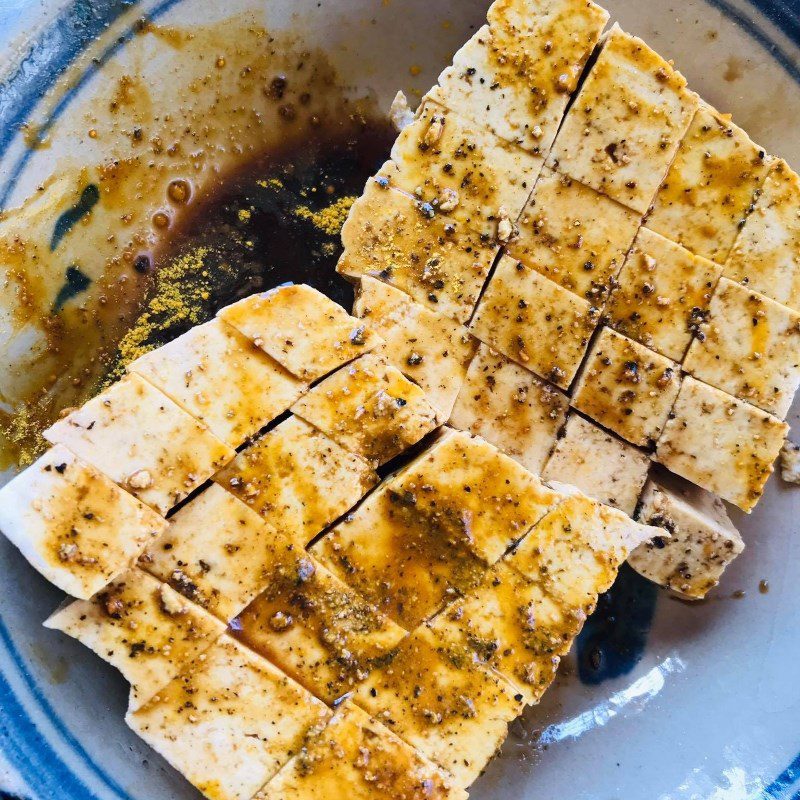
143,441
73,524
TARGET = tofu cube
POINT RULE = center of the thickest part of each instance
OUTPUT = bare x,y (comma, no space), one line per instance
143,441
627,388
142,627
602,466
511,408
370,409
229,721
432,350
74,525
297,479
535,322
303,330
626,122
710,187
222,379
720,443
702,539
748,347
790,462
662,294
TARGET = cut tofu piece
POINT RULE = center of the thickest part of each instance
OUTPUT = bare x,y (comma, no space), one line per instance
662,294
440,263
369,408
574,236
626,122
710,187
432,350
511,408
515,75
627,388
143,441
215,552
298,479
460,169
74,525
356,757
766,254
702,539
790,462
222,379
315,628
720,443
142,627
229,721
599,464
303,330
535,322
455,713
748,347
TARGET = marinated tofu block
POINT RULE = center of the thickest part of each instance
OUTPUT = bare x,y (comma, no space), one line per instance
454,713
662,294
460,169
142,627
297,479
720,443
625,125
222,379
229,721
702,539
535,322
216,552
74,525
370,409
314,627
143,441
440,263
749,347
515,75
599,464
301,329
510,408
432,350
574,236
790,462
627,388
356,757
710,187
766,254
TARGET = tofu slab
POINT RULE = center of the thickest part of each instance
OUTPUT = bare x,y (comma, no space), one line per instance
626,122
454,713
511,408
301,329
710,187
297,479
369,408
662,294
720,443
73,524
574,235
222,379
627,388
535,322
702,541
143,441
440,263
142,627
229,721
315,628
749,347
432,350
599,464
